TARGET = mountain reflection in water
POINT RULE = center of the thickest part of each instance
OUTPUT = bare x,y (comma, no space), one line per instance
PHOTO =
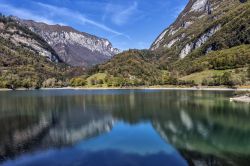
123,127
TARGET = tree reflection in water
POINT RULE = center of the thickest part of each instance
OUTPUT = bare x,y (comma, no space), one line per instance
205,127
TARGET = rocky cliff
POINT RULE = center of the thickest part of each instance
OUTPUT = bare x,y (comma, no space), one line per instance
26,60
198,23
21,37
73,47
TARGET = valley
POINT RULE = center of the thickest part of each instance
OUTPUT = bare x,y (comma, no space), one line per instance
207,45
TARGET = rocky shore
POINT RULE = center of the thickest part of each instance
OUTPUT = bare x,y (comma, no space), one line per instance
243,98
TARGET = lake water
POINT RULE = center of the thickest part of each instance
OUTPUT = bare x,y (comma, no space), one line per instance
123,128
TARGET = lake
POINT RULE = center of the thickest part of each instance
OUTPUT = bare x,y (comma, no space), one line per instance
123,128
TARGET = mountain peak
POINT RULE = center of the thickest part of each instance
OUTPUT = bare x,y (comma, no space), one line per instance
75,48
194,26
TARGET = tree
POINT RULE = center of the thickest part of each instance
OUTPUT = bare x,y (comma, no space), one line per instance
51,82
77,82
165,78
93,81
248,72
205,82
100,81
225,78
27,83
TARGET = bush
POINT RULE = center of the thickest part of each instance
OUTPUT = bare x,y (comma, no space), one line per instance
93,81
226,79
51,82
75,82
231,58
248,72
100,82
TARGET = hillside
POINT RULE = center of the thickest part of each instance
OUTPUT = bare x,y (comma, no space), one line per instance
26,60
208,35
204,26
208,44
133,67
73,47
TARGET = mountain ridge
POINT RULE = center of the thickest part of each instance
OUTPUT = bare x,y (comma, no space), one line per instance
203,30
26,60
196,24
75,48
209,36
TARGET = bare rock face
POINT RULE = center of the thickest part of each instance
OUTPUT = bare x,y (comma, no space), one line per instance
22,37
194,26
199,42
73,47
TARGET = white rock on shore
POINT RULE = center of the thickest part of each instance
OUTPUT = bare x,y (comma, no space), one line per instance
244,98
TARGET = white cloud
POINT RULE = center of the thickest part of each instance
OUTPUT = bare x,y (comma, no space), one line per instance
77,16
120,15
23,13
52,12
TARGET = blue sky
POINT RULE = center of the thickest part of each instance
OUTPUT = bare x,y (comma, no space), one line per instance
126,23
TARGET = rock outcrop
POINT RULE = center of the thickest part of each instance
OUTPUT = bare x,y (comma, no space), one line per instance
20,36
73,47
197,23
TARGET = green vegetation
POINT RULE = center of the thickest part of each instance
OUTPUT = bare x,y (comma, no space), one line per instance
223,59
230,77
248,72
225,66
135,68
9,23
225,79
78,82
234,19
131,68
22,67
232,58
98,79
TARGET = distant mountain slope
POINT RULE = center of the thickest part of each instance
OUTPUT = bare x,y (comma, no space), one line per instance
207,35
232,58
204,26
73,47
26,60
134,67
23,37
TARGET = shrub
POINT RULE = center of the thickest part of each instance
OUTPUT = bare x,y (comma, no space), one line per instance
93,81
100,81
75,82
248,72
51,82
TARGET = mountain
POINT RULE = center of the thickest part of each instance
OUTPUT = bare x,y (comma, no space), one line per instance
208,44
39,55
211,36
21,36
205,26
26,60
73,47
51,131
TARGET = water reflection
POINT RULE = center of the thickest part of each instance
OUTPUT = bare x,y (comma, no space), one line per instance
113,149
129,127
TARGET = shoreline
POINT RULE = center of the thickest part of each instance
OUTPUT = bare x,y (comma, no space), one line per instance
137,88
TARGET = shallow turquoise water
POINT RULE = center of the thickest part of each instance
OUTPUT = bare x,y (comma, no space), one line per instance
123,127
